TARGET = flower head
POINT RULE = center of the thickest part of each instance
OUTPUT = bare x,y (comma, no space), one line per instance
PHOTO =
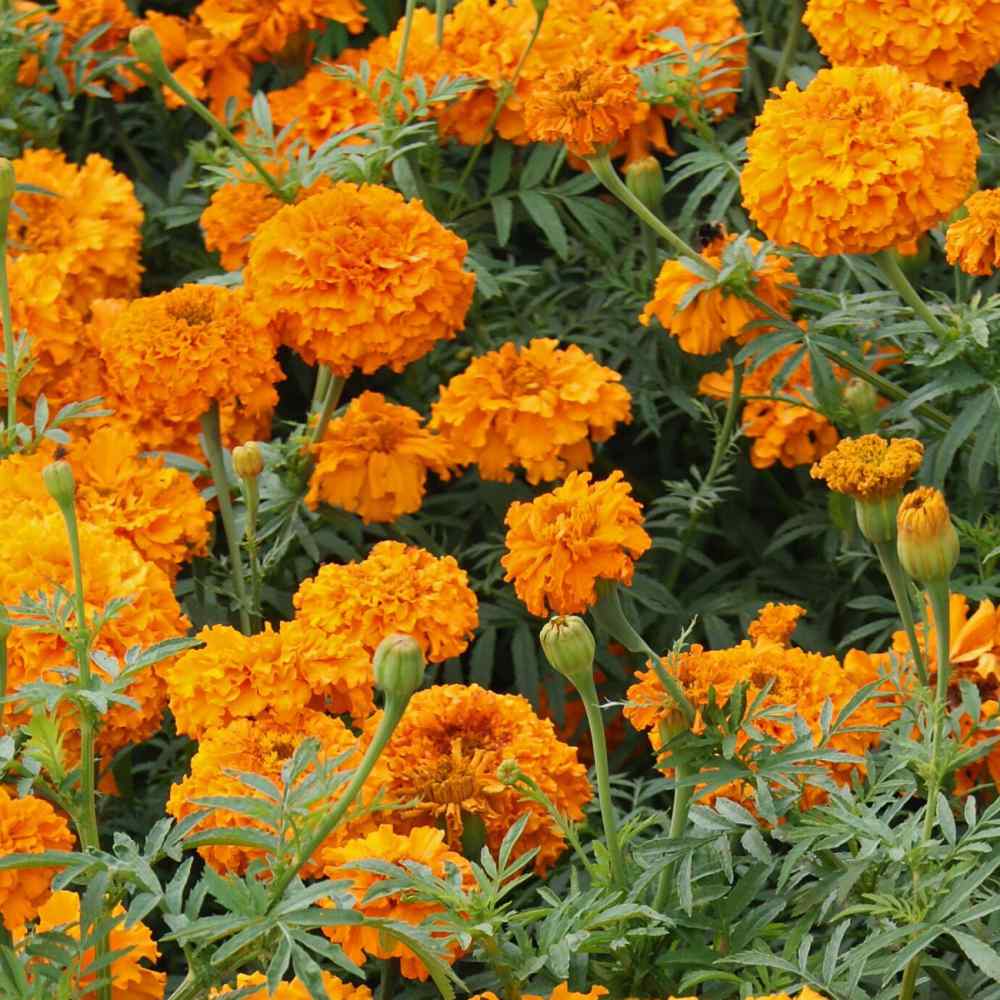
357,277
374,460
28,825
560,544
775,623
973,242
537,406
445,752
927,542
704,323
859,161
397,589
950,44
869,467
295,989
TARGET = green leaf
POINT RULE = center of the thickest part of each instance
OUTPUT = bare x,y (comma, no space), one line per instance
547,219
500,164
980,954
961,428
503,215
539,163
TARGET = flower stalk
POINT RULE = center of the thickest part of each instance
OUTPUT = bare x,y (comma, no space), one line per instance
898,584
889,266
7,187
248,464
333,391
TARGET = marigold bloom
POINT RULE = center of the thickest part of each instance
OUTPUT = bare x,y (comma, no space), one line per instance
951,43
131,978
536,406
563,992
177,353
561,543
859,161
398,589
927,541
445,754
775,623
360,278
703,324
587,105
88,229
973,242
870,467
374,460
423,846
37,558
28,825
262,745
336,989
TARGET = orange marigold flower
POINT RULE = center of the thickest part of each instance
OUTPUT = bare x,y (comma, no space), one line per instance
88,228
336,989
422,846
37,558
360,278
587,104
177,353
536,406
28,825
973,242
445,754
131,978
397,589
704,323
859,161
561,543
262,745
775,623
870,467
374,460
563,992
944,42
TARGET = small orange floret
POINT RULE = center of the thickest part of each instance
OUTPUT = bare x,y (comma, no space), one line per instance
869,467
295,989
973,242
776,623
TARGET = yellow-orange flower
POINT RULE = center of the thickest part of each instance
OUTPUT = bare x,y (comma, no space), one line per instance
262,745
563,992
859,161
423,845
374,460
336,989
869,467
131,978
360,278
973,242
175,354
536,406
397,589
28,825
445,754
950,43
561,543
923,515
703,324
88,228
37,558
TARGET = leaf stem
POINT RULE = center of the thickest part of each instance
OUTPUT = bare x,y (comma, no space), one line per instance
938,594
791,42
899,585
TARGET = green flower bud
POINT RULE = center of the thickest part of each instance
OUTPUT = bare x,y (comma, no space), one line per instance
146,46
58,478
877,517
928,543
8,182
508,772
569,647
644,178
398,665
248,461
861,398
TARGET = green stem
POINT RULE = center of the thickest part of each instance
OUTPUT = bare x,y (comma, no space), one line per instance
678,821
899,585
334,390
944,981
323,376
213,452
791,42
251,500
588,695
889,266
940,608
4,633
389,981
10,355
650,250
910,978
404,43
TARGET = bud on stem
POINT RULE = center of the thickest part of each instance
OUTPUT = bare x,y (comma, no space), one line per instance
569,647
398,665
928,543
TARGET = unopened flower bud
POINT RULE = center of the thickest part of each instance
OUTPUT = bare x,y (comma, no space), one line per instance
877,518
540,7
861,398
8,182
248,461
672,723
644,178
58,478
146,46
398,665
508,772
928,542
569,646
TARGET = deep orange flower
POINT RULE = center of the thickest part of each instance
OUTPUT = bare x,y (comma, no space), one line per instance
536,406
423,846
28,825
703,324
950,43
88,229
445,754
563,992
131,978
37,558
859,161
870,467
374,460
336,989
397,589
561,543
775,623
360,278
175,354
262,745
973,242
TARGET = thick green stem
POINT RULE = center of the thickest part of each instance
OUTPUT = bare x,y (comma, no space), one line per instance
4,633
389,981
9,350
910,978
323,376
404,43
939,597
251,500
791,42
945,982
334,390
213,452
678,821
900,587
889,266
